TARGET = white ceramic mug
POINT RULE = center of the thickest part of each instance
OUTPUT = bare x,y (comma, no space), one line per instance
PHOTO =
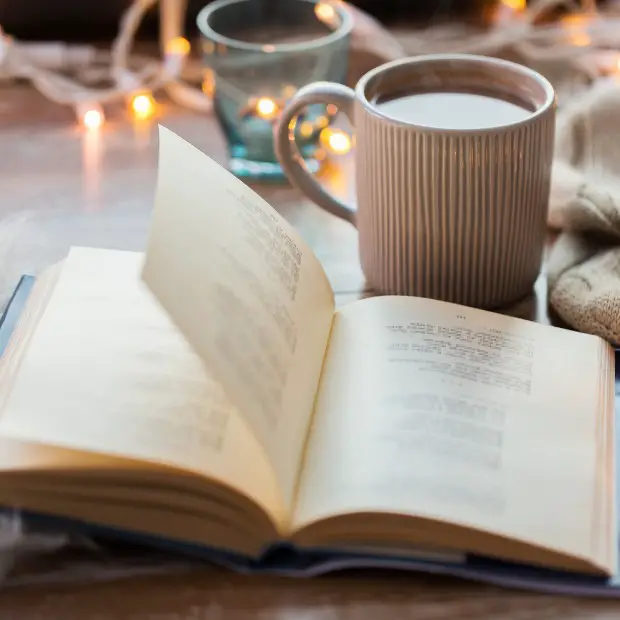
454,212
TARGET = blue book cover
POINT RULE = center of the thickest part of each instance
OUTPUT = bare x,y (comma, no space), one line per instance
287,561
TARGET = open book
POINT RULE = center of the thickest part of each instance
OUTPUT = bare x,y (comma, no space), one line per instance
209,393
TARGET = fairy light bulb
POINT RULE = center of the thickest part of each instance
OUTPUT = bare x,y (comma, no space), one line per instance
325,12
506,11
322,122
306,129
177,50
580,39
93,118
208,84
266,108
179,46
575,26
336,141
289,91
143,106
515,5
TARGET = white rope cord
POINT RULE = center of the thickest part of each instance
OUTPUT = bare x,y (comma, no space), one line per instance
48,66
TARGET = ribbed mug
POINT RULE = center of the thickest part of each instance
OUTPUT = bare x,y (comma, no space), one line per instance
456,213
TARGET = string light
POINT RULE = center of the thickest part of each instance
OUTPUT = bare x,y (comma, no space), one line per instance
92,117
325,12
177,50
289,91
143,106
320,155
515,5
266,108
322,122
336,140
64,73
580,39
306,129
505,11
178,46
575,24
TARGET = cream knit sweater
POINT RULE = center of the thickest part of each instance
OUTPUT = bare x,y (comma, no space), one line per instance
583,268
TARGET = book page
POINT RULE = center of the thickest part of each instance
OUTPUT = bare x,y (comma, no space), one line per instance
247,293
464,416
106,371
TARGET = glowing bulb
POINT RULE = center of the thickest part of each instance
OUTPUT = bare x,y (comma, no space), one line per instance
178,46
320,155
322,122
515,5
93,118
580,39
325,12
143,106
266,108
208,84
336,140
306,129
574,19
574,24
331,109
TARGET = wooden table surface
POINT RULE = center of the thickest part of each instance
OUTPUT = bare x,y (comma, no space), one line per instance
57,189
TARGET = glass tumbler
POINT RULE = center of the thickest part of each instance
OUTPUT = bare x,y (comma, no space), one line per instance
257,54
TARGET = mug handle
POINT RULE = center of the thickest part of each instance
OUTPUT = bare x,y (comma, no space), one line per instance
288,154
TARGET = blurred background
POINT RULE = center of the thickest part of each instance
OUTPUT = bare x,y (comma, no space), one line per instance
77,20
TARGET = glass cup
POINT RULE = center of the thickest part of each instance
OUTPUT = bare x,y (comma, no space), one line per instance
257,54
